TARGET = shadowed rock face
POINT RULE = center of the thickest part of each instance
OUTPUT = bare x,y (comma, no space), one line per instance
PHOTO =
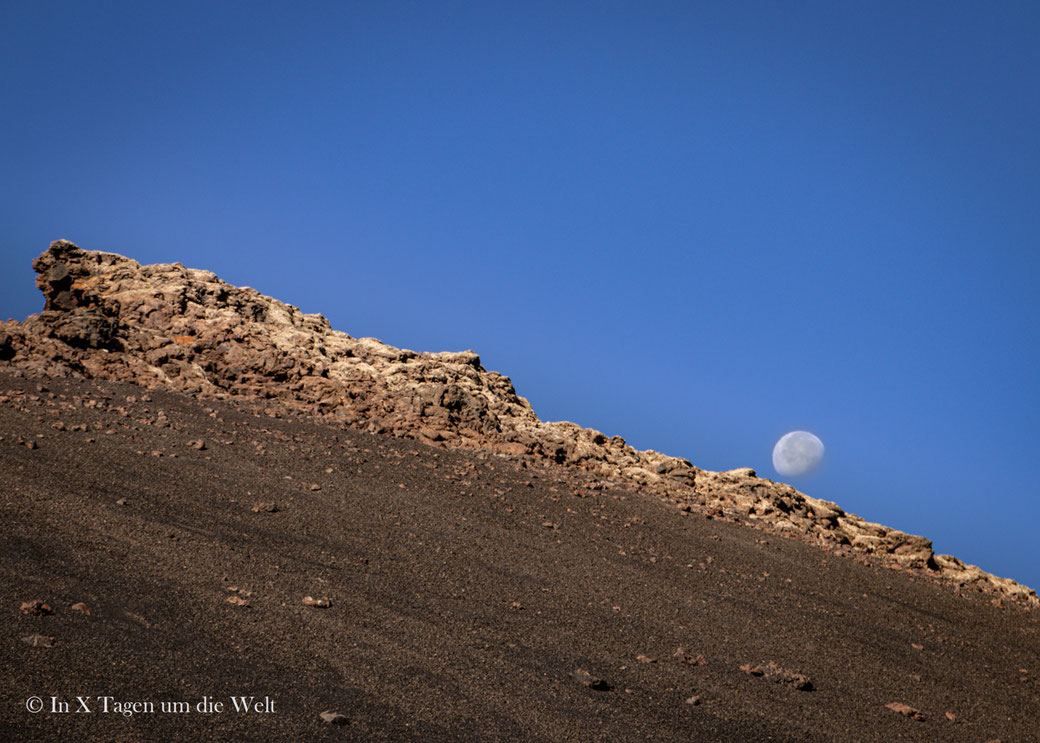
108,317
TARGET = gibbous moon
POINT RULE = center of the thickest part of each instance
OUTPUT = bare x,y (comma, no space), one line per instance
797,453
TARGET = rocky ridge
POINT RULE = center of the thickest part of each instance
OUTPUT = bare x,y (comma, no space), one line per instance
109,317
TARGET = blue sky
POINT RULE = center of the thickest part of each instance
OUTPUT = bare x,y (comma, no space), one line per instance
696,225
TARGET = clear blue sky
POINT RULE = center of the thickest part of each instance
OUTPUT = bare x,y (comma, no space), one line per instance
696,225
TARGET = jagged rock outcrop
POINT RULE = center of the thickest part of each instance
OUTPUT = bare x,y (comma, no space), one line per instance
108,317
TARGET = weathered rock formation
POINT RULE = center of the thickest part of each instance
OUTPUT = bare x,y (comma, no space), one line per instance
109,317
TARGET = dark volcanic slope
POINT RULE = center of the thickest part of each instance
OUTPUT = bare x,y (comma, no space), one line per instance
465,589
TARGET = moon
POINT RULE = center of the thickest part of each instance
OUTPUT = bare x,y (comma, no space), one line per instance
797,453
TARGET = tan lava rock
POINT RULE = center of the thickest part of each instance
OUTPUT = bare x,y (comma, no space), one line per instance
775,673
333,718
39,641
593,682
907,711
35,608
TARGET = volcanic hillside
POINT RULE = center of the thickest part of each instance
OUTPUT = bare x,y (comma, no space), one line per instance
108,317
206,494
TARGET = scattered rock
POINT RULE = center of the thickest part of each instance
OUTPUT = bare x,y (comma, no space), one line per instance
593,682
36,608
197,444
906,711
950,716
265,508
237,601
38,641
645,659
30,444
323,603
80,607
334,718
779,675
314,487
121,502
690,660
694,700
